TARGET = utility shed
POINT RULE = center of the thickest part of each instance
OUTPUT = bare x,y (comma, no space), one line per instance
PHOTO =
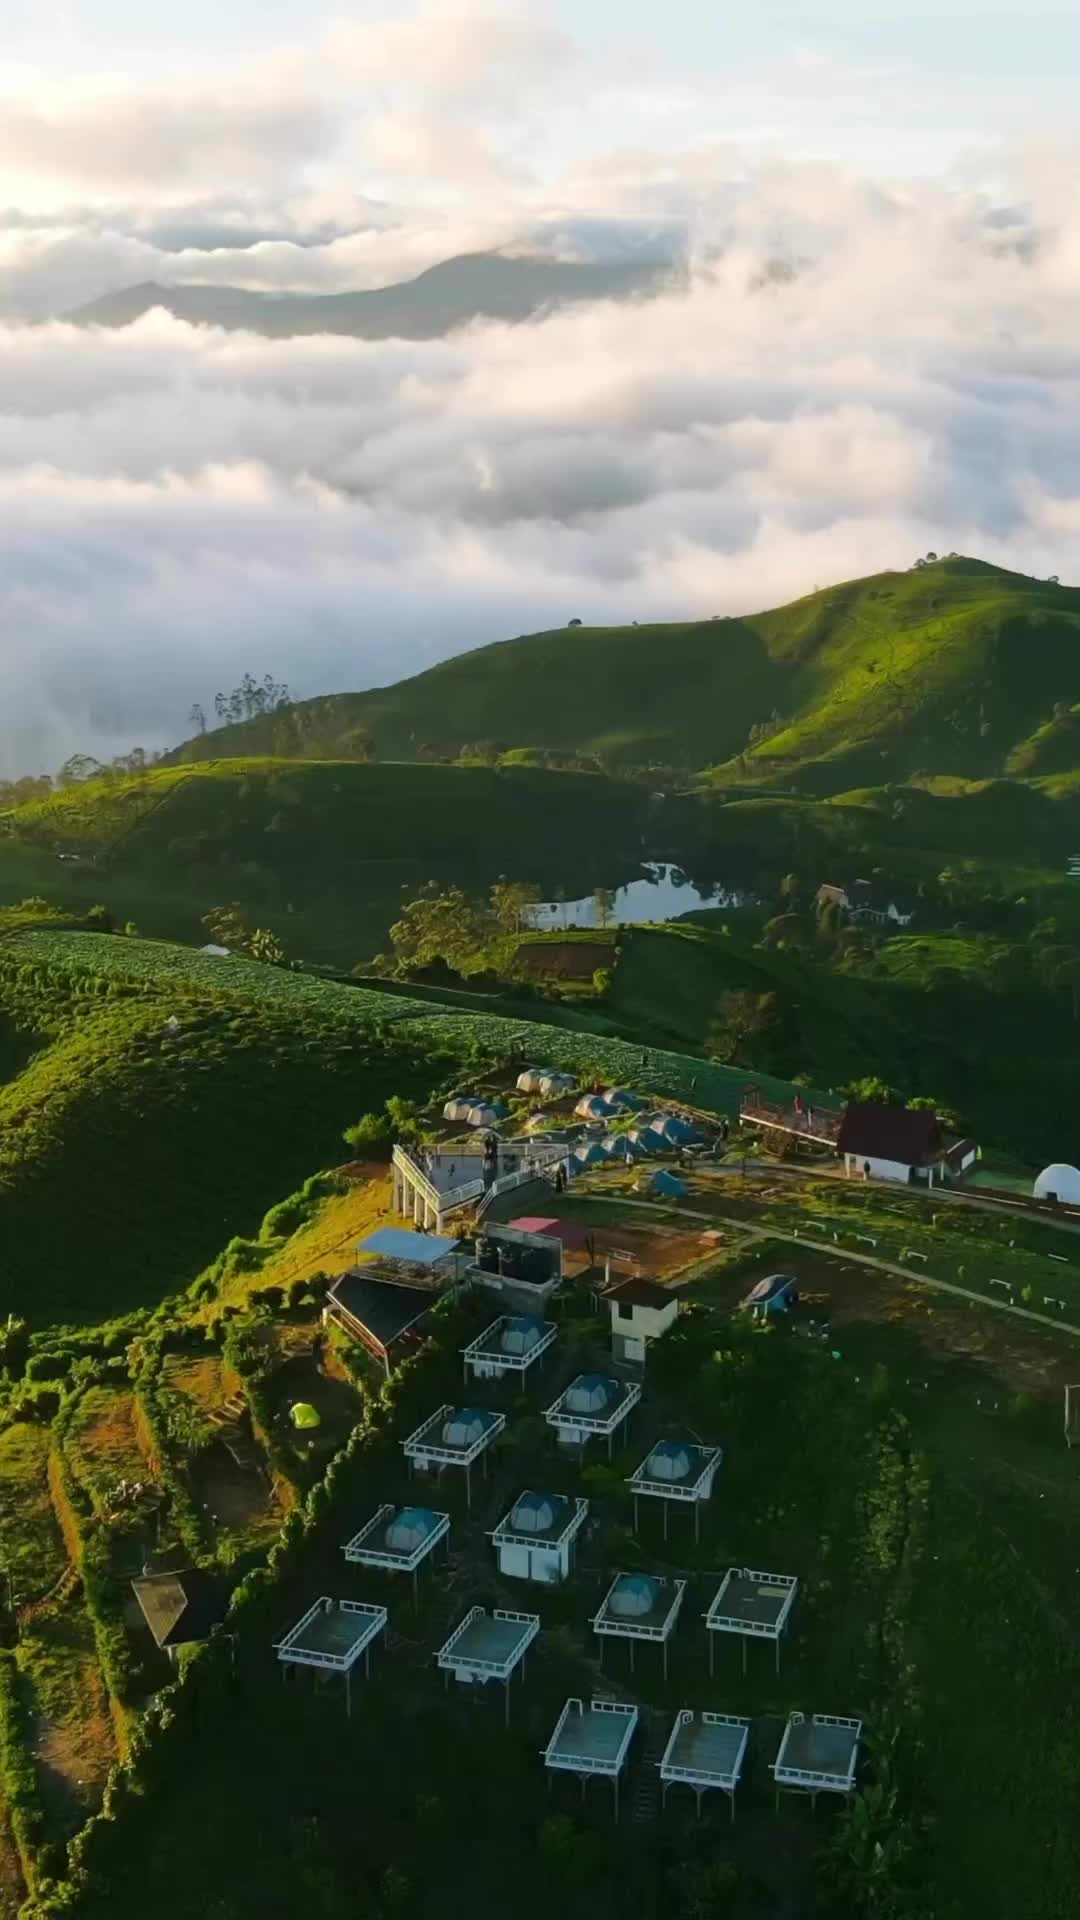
706,1750
179,1608
453,1437
398,1539
641,1607
640,1312
330,1639
486,1647
535,1540
753,1605
593,1406
818,1754
679,1472
592,1739
511,1345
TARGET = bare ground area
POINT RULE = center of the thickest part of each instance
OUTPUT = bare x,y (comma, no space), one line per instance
73,1742
103,1443
238,1499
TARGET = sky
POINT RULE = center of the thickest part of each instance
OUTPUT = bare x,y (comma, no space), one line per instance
877,352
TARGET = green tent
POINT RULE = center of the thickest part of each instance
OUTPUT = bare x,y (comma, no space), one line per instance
305,1417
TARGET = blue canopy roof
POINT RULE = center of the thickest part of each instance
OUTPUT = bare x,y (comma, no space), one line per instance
397,1243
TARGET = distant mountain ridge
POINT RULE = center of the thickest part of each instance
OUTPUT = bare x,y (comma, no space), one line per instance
955,668
476,286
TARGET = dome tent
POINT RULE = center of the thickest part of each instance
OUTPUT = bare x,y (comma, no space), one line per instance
620,1146
520,1336
409,1529
531,1080
591,1393
557,1083
464,1427
533,1513
458,1107
670,1460
634,1595
593,1106
591,1154
487,1113
623,1100
1060,1182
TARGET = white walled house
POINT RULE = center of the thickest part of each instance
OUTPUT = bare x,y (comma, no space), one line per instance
881,1142
640,1312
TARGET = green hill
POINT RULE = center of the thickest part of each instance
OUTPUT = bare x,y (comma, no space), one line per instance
950,668
319,850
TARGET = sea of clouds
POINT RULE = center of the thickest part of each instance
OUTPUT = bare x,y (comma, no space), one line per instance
860,369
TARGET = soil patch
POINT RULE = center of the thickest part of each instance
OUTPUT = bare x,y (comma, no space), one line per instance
73,1739
237,1499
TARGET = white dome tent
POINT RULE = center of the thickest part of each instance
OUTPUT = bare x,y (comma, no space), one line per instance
1059,1182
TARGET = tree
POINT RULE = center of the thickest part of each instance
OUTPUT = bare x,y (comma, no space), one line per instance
871,1089
79,767
510,903
264,945
603,980
439,923
227,926
740,1019
604,906
197,718
371,1137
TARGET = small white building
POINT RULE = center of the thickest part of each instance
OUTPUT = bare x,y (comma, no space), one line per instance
593,1406
818,1754
489,1647
641,1607
510,1346
592,1739
679,1472
706,1751
640,1312
536,1539
453,1437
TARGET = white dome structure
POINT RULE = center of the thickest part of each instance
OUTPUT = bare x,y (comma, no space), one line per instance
519,1336
464,1427
590,1393
668,1461
634,1596
533,1513
1059,1182
409,1530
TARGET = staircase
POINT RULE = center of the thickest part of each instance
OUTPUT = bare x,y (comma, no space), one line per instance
648,1796
230,1420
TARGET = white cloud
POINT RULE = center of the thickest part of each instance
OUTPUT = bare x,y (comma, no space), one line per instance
860,370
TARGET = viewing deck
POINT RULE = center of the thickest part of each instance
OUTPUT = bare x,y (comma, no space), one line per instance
806,1122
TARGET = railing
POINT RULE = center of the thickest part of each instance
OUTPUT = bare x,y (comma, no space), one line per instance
529,1623
288,1649
821,1123
576,1762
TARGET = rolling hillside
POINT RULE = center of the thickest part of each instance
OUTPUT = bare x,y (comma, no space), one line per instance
956,668
469,287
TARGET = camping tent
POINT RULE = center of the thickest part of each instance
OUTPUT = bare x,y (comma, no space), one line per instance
487,1114
668,1184
531,1081
590,1154
619,1146
622,1100
458,1107
305,1418
555,1083
593,1106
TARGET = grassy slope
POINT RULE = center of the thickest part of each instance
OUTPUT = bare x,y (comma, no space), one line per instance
319,850
950,668
129,1155
1006,1064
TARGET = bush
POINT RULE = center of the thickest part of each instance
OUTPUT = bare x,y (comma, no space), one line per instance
48,1366
371,1137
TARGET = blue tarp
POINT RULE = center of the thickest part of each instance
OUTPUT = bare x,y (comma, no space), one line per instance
397,1243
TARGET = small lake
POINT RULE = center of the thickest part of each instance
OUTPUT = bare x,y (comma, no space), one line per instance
663,895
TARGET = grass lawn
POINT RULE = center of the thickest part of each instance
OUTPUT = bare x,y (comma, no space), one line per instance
102,1444
31,1545
75,1740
